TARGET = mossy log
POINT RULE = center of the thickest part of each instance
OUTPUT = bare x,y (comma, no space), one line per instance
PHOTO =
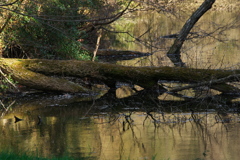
18,71
38,74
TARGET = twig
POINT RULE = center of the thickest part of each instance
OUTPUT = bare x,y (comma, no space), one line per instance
8,4
89,109
6,109
3,105
8,80
204,83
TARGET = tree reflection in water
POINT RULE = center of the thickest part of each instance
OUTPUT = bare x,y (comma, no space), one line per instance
173,135
126,133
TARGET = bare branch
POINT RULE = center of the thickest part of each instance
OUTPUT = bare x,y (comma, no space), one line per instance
9,4
221,80
4,76
174,52
96,21
6,22
97,44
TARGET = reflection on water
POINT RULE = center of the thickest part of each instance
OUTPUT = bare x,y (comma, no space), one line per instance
126,135
84,130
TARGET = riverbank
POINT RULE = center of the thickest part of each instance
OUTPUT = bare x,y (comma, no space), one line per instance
12,156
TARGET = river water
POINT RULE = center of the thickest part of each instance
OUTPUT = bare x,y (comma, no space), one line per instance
100,130
128,133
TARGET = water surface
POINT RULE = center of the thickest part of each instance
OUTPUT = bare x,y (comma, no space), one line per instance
124,134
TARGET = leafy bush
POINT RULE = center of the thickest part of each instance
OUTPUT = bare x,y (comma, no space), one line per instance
7,84
48,29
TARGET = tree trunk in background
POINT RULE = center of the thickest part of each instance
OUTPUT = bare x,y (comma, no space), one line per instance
174,53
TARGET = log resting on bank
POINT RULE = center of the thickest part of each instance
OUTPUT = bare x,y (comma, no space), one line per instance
41,74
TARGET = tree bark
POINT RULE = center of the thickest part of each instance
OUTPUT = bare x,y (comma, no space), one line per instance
174,53
43,74
17,69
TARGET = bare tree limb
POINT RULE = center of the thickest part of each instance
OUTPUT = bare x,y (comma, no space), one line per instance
4,76
10,15
106,20
97,44
9,4
6,22
206,83
174,53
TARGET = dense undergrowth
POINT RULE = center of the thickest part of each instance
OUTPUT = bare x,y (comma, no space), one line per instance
12,156
46,29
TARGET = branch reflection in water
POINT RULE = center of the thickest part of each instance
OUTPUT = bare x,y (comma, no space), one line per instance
127,134
175,136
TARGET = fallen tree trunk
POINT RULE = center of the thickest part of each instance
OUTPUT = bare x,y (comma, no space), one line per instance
38,74
18,71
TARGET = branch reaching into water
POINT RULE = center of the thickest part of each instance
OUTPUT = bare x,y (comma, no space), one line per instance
6,108
206,83
6,78
174,53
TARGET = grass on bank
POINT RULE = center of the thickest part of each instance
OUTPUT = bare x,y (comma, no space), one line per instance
24,156
13,156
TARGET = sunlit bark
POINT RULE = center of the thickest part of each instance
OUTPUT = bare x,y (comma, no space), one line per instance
97,44
17,69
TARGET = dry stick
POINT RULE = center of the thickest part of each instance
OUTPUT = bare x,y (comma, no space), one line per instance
6,109
89,109
3,105
1,73
9,4
97,44
10,15
110,19
204,83
5,24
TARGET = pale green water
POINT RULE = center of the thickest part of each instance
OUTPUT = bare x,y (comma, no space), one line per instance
108,136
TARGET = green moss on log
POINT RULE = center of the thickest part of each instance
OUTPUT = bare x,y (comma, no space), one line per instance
33,72
18,71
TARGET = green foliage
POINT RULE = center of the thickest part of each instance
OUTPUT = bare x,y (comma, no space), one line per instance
5,83
84,55
122,39
24,156
51,29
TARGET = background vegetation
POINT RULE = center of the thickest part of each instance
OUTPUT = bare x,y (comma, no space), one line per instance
46,28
